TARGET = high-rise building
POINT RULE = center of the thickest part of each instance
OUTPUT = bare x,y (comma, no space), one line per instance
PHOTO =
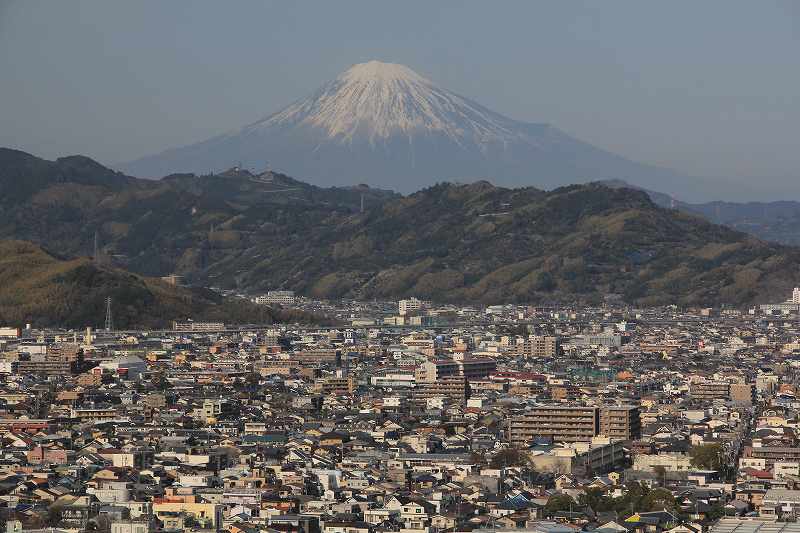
796,295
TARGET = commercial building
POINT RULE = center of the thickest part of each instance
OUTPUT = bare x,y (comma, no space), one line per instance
469,368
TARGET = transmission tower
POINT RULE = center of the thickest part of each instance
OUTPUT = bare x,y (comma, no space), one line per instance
109,320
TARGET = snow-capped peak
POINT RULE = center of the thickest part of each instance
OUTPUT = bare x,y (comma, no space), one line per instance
379,72
374,101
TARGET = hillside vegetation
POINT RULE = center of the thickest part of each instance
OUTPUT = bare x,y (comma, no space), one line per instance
449,242
40,289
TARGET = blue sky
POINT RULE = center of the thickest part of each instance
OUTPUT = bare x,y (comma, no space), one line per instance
708,88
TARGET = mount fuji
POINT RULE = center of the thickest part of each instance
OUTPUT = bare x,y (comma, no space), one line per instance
387,126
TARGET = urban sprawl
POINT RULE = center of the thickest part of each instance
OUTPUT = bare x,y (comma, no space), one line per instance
408,417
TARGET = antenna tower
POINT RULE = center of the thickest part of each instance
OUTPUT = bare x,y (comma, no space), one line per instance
109,320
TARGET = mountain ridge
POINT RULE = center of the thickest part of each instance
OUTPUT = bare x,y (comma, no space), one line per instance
776,221
472,242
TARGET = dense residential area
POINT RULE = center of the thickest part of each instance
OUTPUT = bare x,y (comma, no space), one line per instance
408,417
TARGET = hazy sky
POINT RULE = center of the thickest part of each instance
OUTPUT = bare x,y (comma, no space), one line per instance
710,88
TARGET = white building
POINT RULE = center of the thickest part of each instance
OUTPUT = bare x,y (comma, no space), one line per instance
276,297
127,365
796,295
410,305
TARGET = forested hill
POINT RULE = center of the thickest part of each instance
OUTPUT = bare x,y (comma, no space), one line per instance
450,242
37,288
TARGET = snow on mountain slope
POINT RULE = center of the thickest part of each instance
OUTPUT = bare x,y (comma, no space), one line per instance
379,100
385,125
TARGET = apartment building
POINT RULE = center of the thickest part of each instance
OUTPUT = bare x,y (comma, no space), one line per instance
469,368
772,454
620,422
709,390
191,326
336,386
559,422
454,388
580,458
477,368
742,393
432,371
276,297
538,346
409,306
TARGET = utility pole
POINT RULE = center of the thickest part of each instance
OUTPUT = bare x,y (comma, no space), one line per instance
96,249
109,321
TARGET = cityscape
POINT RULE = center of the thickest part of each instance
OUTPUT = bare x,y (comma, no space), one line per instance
407,416
399,267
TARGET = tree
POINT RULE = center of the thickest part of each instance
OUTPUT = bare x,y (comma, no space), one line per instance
54,513
160,382
477,458
597,499
708,456
509,457
657,500
716,512
558,503
252,379
661,472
